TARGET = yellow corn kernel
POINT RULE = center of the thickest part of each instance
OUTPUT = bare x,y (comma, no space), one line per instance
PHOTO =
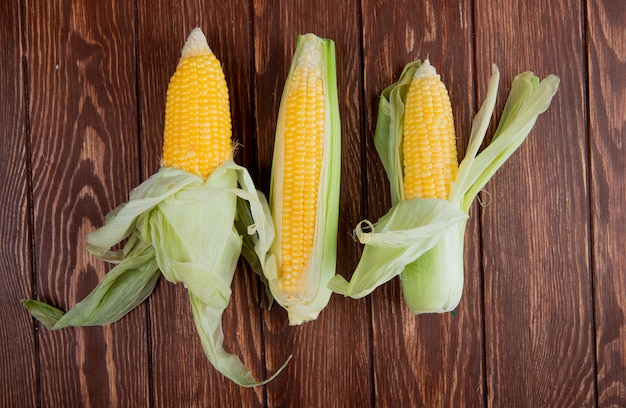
304,148
197,134
429,142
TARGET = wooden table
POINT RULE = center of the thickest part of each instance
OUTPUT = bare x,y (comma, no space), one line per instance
542,320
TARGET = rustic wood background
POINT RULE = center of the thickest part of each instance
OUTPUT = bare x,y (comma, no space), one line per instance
542,320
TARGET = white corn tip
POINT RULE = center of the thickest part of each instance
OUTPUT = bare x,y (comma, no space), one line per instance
310,54
196,44
425,70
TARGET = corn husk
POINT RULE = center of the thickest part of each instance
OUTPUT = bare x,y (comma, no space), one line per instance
432,277
183,226
321,267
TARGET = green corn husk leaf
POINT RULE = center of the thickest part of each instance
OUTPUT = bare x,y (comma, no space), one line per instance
253,247
323,258
432,281
389,125
134,278
527,99
400,237
121,290
183,226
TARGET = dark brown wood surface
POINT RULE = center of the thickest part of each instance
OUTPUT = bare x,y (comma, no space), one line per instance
537,281
607,119
542,322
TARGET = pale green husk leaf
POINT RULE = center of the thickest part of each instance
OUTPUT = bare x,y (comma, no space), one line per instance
323,258
389,125
433,283
409,229
183,226
256,244
527,99
121,290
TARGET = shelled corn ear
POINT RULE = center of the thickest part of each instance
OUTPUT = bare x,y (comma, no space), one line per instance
304,196
421,238
181,221
197,131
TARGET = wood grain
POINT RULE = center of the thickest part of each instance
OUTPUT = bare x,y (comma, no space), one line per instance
541,322
538,320
176,348
84,147
437,358
607,98
17,340
319,374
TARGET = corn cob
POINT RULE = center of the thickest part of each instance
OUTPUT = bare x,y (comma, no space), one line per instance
304,137
197,133
305,181
429,142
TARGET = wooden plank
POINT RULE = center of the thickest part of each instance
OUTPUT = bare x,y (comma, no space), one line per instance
607,97
331,358
18,368
176,349
538,311
427,360
81,70
81,93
